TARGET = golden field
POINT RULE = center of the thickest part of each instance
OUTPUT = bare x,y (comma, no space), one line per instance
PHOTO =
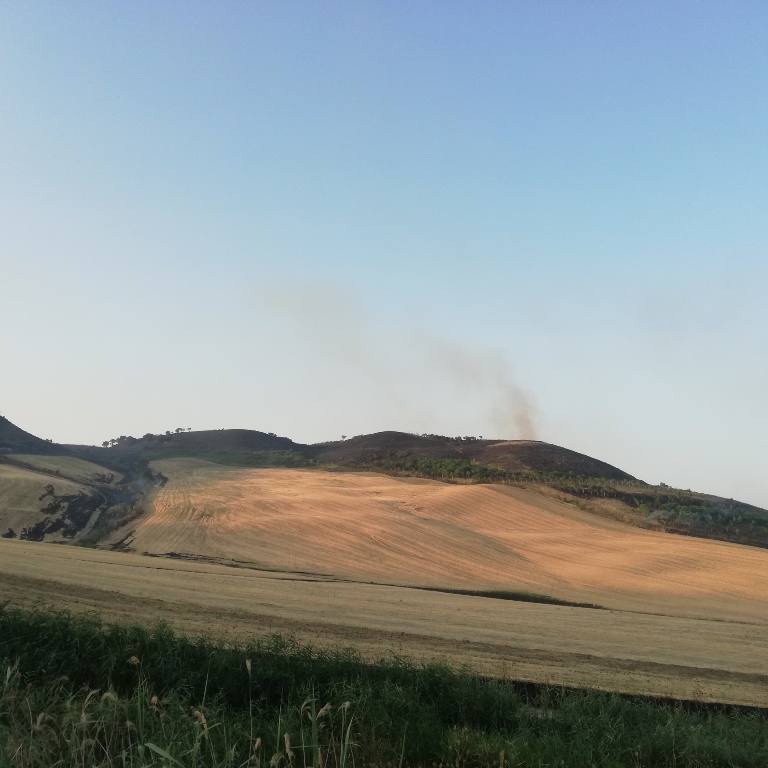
373,528
78,469
343,558
20,492
705,659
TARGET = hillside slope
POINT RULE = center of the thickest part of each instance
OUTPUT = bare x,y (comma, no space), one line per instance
16,440
508,455
219,441
71,467
37,507
238,445
370,527
592,485
61,493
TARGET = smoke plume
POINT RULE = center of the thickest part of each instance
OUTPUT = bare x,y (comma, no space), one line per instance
407,375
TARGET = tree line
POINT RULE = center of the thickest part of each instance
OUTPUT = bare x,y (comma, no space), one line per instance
126,440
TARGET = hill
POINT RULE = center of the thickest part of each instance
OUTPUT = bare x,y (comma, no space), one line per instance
250,447
508,455
30,509
218,441
367,527
66,493
16,440
552,471
418,543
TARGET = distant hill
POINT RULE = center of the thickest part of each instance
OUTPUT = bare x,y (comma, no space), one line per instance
15,440
508,455
219,441
244,446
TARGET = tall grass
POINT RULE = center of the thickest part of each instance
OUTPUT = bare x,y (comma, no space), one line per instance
76,692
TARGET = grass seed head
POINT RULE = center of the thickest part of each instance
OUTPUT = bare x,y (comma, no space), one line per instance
288,751
41,719
91,694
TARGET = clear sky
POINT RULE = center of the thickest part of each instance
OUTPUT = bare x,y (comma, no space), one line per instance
323,218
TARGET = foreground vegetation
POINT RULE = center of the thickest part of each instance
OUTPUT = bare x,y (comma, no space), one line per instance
76,692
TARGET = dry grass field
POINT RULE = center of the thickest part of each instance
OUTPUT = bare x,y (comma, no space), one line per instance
705,659
70,466
373,528
342,558
20,492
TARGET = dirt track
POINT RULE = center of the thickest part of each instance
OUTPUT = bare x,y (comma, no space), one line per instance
615,650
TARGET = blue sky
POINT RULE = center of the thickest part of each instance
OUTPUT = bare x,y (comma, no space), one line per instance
508,219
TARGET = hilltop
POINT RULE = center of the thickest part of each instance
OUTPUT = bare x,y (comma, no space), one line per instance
508,455
251,447
16,440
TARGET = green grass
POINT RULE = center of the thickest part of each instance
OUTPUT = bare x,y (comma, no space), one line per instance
76,692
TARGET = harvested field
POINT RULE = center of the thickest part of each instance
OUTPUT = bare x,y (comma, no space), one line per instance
374,528
20,492
709,660
343,558
72,467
